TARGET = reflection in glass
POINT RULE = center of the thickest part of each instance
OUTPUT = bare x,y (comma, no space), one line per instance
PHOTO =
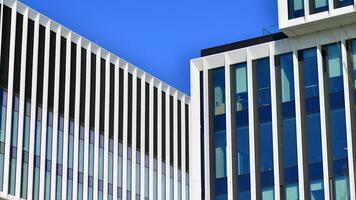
265,126
308,63
333,63
91,164
13,150
295,8
59,158
80,162
3,103
243,152
317,6
343,3
284,65
25,150
217,78
36,177
48,164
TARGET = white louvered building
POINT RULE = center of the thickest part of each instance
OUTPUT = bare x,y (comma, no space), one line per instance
78,122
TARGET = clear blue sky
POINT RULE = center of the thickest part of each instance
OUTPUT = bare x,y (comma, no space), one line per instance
161,36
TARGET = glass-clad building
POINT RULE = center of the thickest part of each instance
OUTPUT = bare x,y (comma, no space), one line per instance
77,122
277,113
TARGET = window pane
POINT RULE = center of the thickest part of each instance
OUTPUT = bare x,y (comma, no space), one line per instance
295,8
265,126
308,62
218,128
317,6
342,3
285,67
338,126
243,152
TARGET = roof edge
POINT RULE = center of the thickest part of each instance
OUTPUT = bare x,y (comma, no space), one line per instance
243,44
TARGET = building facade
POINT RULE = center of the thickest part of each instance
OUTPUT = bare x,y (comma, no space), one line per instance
78,122
277,113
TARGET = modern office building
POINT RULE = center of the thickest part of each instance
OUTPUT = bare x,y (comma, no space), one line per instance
274,116
78,122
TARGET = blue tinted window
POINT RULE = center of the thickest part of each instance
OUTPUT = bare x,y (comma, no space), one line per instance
333,63
295,8
3,102
242,137
101,157
308,63
265,126
317,6
353,66
342,3
286,76
26,136
217,77
13,150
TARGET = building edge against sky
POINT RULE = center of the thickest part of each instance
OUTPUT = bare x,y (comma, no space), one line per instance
277,113
100,128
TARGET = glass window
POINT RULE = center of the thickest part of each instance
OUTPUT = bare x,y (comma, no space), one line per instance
284,65
138,173
26,135
111,148
243,151
218,128
3,102
69,187
91,164
129,168
295,8
171,184
70,144
163,181
308,63
352,56
265,126
101,157
343,3
70,161
146,177
13,150
81,162
155,179
48,164
333,63
317,6
59,158
119,173
37,161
